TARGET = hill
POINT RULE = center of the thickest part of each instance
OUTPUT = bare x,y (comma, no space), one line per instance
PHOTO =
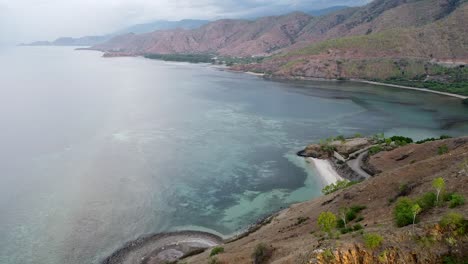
270,35
408,172
136,29
422,43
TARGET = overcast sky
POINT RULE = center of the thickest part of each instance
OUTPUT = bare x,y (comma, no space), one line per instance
28,20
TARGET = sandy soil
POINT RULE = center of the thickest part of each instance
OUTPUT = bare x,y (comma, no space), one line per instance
325,170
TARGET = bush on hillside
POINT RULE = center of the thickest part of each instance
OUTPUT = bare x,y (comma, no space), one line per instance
261,253
372,240
442,150
455,200
402,212
427,201
454,223
401,141
337,186
216,251
374,150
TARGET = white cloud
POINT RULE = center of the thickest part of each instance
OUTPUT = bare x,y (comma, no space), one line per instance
27,20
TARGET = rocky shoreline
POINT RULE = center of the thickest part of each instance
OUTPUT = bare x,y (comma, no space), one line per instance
162,247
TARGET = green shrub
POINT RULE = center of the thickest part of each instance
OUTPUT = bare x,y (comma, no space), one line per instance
340,138
456,200
359,219
357,208
447,196
328,255
331,188
216,251
346,230
340,223
351,215
442,150
374,150
433,139
327,221
357,227
401,141
261,253
454,223
444,137
372,240
427,201
402,212
357,135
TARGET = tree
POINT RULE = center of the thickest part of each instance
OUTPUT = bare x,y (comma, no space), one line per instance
416,209
326,222
439,185
343,212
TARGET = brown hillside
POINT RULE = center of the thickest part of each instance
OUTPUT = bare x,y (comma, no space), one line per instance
270,35
295,242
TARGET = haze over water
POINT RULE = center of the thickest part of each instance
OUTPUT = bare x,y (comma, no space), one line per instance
95,152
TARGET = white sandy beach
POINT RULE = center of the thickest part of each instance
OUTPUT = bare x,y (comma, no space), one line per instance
325,170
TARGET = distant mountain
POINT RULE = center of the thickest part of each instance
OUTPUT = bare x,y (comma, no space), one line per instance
381,40
162,25
137,29
154,26
325,11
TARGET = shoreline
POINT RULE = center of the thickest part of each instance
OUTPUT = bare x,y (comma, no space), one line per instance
459,96
298,78
327,173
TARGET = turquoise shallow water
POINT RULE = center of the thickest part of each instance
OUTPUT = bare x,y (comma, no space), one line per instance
96,152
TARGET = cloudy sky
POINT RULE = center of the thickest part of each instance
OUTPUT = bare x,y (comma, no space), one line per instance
28,20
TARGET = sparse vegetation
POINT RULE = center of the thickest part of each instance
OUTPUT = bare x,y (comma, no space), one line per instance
327,222
328,254
454,223
331,188
374,150
403,212
442,150
415,209
372,240
192,58
261,253
401,141
433,139
427,201
216,250
455,200
439,185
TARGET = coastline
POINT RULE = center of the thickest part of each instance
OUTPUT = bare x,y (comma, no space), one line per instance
325,170
411,88
458,96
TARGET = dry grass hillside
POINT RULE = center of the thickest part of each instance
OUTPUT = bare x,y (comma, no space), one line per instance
294,237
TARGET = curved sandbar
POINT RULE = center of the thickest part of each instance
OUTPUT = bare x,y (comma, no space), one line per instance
162,247
411,88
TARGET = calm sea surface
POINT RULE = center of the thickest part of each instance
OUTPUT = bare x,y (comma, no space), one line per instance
95,152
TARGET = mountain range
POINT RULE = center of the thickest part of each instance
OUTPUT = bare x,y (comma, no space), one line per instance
137,29
156,25
383,39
